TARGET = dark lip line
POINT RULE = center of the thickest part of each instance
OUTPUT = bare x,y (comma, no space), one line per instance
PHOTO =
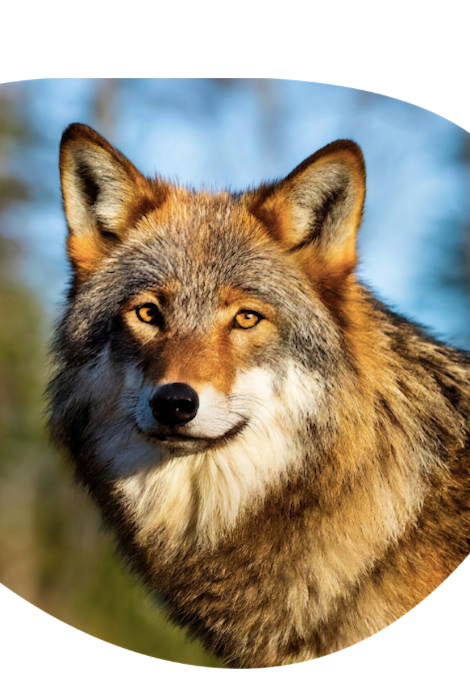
175,438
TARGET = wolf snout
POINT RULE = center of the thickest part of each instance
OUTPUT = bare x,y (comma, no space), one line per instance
174,404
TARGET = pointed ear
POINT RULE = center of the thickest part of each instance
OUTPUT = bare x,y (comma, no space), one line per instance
103,193
318,207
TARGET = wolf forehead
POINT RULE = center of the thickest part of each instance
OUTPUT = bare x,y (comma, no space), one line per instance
208,241
193,261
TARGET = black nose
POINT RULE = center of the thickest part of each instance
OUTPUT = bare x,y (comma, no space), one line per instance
174,404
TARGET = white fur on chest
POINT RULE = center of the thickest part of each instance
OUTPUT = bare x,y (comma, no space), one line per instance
203,494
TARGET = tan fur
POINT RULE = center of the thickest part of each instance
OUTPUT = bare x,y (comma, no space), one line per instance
325,489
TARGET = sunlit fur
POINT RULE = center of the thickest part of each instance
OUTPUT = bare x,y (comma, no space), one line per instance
322,488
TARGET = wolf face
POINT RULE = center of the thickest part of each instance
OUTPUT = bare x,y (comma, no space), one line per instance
190,336
235,400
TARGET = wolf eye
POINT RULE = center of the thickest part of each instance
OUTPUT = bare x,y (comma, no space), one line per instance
149,313
246,319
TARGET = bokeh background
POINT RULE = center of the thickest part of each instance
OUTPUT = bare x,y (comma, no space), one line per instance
414,248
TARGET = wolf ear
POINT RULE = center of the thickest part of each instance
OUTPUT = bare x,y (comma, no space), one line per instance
319,205
101,190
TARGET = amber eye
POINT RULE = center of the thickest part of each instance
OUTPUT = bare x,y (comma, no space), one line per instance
246,319
149,313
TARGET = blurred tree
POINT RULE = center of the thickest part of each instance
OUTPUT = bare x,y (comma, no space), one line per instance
53,551
105,96
20,385
271,113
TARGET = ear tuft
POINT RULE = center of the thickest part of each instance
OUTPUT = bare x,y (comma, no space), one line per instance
102,193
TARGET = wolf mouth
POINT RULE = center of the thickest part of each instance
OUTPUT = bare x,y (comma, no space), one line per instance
174,439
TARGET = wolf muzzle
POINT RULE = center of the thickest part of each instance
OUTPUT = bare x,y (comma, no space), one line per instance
174,404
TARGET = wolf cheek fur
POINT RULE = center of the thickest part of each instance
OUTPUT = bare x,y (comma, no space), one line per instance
317,487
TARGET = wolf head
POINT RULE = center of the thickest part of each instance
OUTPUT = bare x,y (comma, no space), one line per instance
203,332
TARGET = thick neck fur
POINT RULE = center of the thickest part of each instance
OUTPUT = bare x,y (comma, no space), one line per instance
320,528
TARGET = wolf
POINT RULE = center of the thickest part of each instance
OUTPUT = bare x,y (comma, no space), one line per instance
283,460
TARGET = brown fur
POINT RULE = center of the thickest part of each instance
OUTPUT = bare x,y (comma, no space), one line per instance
363,507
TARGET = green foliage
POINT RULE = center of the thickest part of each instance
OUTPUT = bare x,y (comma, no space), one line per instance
53,551
116,607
